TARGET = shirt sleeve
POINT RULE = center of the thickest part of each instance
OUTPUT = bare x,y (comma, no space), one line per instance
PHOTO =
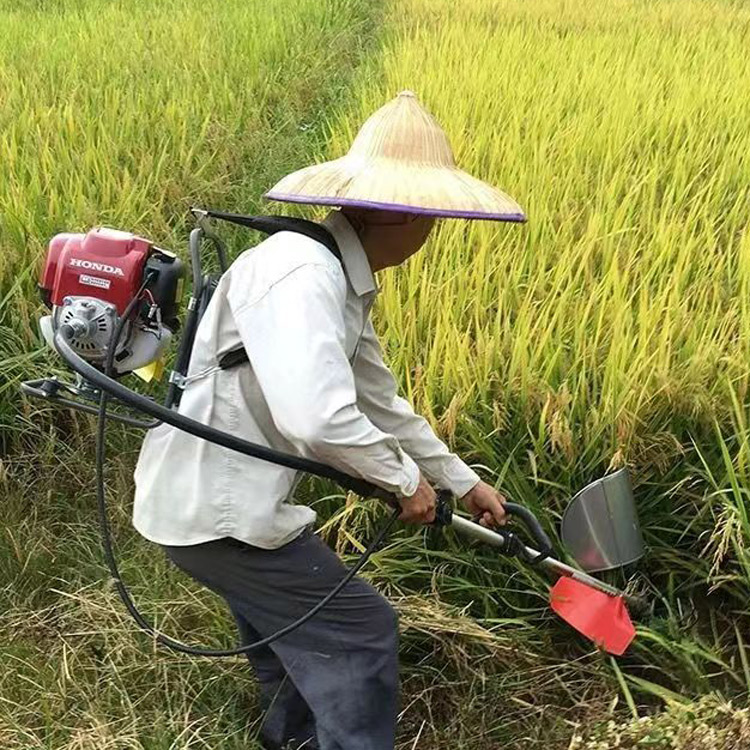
294,336
378,398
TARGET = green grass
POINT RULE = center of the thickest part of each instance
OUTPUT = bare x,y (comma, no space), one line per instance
611,329
709,724
125,114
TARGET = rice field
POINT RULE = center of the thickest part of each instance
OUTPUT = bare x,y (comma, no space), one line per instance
611,329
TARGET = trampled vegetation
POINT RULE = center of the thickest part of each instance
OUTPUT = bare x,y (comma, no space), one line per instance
613,328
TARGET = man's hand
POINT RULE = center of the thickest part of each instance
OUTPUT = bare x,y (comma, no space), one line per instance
419,507
486,502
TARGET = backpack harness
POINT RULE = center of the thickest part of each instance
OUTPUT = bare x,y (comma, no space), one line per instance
267,225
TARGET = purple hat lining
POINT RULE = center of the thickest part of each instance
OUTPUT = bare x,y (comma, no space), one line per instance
437,212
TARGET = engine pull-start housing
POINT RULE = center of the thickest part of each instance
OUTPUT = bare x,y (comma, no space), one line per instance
88,280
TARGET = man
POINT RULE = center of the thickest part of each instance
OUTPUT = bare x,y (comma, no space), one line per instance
316,385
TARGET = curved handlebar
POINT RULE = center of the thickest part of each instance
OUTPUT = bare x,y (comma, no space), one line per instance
531,522
444,516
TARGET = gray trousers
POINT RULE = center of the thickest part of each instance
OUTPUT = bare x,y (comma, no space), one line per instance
332,684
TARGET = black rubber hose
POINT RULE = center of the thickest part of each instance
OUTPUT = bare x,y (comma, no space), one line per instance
145,625
198,429
174,393
111,559
184,350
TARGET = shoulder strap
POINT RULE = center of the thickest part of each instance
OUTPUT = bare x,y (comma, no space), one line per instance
274,223
270,225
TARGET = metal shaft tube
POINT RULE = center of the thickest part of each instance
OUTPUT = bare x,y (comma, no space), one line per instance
488,536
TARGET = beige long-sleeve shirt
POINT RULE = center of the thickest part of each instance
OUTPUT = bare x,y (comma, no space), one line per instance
316,385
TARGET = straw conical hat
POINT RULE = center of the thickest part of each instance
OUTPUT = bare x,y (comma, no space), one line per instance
400,160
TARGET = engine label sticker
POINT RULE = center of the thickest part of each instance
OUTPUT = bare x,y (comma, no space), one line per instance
94,281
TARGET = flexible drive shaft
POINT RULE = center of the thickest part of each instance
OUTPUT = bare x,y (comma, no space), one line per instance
107,386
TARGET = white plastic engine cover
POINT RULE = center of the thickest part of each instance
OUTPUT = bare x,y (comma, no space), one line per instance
145,346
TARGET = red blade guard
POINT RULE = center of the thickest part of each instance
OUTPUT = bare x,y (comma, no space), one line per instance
601,618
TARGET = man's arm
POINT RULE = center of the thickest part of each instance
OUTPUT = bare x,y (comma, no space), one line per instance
378,398
294,336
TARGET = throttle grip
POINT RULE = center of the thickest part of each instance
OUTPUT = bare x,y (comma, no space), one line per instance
443,509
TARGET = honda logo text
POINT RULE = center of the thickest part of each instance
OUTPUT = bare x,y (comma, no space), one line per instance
90,265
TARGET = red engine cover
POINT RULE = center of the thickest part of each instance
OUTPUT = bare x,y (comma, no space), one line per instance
104,263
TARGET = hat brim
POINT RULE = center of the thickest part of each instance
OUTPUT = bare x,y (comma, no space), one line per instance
392,185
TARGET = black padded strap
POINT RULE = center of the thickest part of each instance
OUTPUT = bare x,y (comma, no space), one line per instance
274,223
270,225
233,358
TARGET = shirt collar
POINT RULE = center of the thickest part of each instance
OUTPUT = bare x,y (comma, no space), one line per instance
353,255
